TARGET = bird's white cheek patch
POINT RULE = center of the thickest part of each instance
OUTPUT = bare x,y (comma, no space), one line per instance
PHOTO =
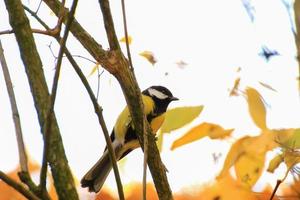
156,93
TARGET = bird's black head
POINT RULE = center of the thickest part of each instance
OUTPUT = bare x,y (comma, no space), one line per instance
161,97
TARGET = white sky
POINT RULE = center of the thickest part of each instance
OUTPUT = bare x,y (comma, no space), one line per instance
213,37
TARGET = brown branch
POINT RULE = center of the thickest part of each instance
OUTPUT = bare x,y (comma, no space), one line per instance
63,180
98,111
6,32
51,32
89,43
109,25
15,112
275,189
145,144
18,187
47,136
297,35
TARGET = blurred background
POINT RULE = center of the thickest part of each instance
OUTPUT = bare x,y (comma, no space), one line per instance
198,49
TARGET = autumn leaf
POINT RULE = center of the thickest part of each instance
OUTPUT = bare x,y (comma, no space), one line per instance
256,107
275,162
123,39
159,141
94,69
248,168
180,116
149,56
247,155
236,150
213,131
233,91
293,141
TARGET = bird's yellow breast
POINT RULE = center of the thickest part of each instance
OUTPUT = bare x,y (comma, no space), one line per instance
124,119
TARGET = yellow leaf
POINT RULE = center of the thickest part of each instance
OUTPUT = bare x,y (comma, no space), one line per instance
194,134
94,69
218,132
149,56
157,122
233,91
180,116
291,158
123,39
275,162
159,141
293,142
236,150
248,168
213,131
256,108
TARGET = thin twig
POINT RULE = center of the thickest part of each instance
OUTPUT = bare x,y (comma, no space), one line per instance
109,25
21,147
18,187
38,8
126,34
6,32
98,82
144,131
275,189
98,111
47,126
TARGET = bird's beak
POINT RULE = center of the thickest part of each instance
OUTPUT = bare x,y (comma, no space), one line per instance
174,99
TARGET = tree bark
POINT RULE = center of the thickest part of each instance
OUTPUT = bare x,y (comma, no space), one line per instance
63,180
297,35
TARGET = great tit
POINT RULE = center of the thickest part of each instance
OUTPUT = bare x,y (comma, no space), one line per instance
124,139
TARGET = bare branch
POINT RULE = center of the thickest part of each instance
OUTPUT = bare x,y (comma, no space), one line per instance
47,126
15,112
6,32
63,179
109,25
18,187
297,35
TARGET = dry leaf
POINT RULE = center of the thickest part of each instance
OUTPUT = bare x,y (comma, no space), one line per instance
123,39
256,107
94,69
213,131
233,91
149,56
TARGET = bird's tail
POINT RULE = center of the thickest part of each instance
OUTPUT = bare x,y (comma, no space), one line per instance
96,176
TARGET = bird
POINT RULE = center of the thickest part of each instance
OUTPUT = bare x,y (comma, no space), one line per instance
124,139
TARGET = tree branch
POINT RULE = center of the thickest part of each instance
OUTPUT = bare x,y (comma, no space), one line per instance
297,35
47,135
109,25
18,187
15,112
63,180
